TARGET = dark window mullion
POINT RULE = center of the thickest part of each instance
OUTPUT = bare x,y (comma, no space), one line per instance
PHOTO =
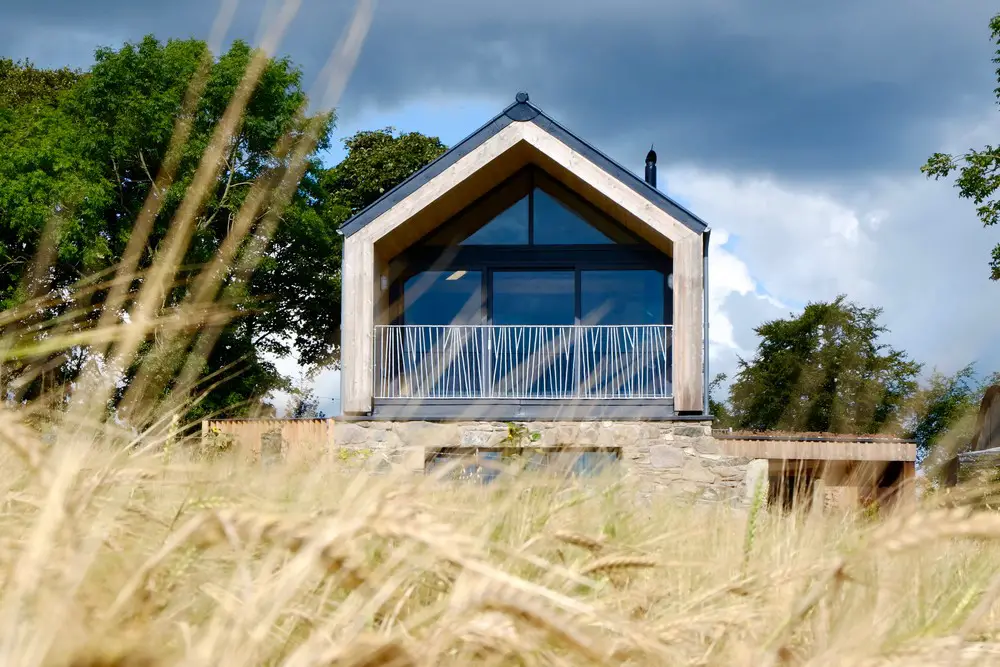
668,297
531,208
488,294
577,296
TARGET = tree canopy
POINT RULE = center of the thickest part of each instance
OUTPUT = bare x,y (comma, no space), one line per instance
80,153
824,371
945,410
22,83
978,171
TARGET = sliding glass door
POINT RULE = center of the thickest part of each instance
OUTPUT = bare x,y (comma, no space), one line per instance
531,343
619,352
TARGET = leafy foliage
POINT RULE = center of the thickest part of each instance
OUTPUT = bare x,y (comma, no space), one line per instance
718,409
945,411
978,171
376,162
305,405
824,371
308,284
79,155
21,83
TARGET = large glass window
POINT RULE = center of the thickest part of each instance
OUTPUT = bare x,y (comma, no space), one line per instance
621,297
533,297
443,297
535,361
508,228
531,208
555,223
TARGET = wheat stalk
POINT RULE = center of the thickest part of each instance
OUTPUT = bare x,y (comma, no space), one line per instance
617,563
594,544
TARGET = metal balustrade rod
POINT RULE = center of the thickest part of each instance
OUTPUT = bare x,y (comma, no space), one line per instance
523,362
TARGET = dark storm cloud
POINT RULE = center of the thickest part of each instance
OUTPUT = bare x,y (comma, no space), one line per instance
799,89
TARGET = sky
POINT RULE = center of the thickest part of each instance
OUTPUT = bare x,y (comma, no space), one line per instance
796,130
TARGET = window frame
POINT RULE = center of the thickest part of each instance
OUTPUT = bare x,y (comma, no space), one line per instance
441,252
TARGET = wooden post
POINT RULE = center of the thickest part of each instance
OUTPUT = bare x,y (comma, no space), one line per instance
356,369
907,493
688,326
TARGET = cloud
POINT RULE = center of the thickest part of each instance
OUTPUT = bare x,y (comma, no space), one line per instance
795,89
775,246
904,244
728,275
797,240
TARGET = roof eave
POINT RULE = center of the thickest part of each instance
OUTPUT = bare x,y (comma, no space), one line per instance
521,112
357,222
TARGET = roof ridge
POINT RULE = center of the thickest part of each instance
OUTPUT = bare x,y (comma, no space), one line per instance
495,125
620,166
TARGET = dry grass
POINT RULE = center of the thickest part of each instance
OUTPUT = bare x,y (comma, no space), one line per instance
114,559
118,550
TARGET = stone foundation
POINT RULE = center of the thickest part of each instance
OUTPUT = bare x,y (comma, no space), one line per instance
678,458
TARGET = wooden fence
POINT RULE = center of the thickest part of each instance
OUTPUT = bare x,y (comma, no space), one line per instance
270,439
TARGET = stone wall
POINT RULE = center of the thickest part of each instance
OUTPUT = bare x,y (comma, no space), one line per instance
675,458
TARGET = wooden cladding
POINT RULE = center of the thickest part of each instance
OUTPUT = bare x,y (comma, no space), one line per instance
818,450
263,439
369,252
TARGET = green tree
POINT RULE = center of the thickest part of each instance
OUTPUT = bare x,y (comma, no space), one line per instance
78,159
83,168
945,411
978,171
303,402
717,408
22,83
824,371
300,275
376,162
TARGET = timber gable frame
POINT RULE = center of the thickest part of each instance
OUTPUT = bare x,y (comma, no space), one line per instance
520,136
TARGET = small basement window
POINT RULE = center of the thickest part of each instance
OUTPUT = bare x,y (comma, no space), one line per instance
485,465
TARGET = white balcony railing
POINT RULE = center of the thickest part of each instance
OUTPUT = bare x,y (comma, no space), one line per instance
523,362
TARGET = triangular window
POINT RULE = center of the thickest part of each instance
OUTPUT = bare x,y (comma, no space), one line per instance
531,208
556,224
508,228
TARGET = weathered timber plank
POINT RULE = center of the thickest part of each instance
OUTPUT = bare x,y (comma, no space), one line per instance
791,450
688,344
358,322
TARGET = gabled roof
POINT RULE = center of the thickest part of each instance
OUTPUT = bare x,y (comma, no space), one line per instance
522,111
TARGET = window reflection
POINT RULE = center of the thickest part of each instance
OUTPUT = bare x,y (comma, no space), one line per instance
533,297
508,228
622,297
443,297
556,224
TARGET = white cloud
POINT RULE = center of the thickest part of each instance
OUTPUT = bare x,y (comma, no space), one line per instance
905,244
728,275
800,245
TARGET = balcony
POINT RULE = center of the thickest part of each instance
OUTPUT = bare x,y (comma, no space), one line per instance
523,362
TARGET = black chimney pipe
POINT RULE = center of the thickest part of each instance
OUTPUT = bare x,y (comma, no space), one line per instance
651,167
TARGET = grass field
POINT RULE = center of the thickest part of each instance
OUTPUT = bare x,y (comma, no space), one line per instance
131,560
